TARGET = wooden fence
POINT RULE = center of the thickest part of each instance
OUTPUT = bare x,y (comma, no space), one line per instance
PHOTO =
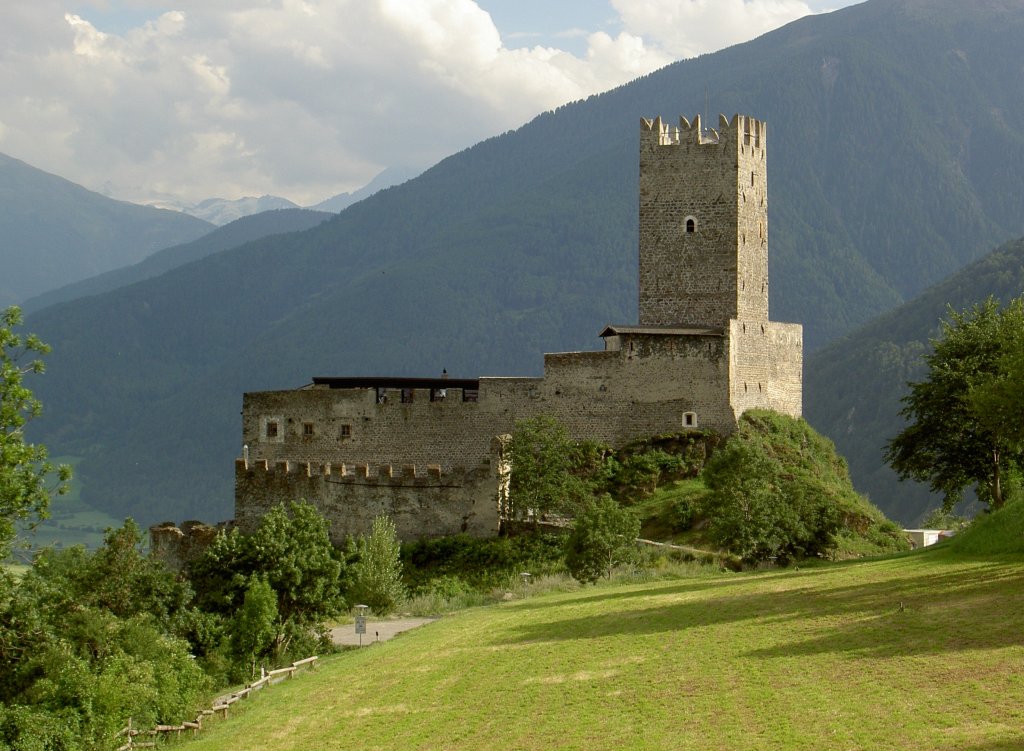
220,706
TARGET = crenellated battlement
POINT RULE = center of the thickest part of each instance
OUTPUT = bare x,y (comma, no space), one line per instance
741,130
382,474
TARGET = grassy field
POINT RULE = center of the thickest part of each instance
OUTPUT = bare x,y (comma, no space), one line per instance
71,522
919,651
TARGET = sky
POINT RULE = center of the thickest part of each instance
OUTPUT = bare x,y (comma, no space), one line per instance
156,100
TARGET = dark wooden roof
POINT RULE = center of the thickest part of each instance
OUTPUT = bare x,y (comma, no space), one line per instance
662,331
391,382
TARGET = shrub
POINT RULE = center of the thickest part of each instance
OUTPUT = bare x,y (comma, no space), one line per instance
377,568
603,536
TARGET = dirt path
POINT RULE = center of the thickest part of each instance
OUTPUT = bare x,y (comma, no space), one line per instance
376,630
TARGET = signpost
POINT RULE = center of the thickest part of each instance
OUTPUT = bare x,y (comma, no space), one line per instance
361,621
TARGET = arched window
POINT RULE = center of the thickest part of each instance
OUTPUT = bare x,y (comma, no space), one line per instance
691,225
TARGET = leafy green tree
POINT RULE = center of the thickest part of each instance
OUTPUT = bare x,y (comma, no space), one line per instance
965,417
292,551
603,536
75,656
25,473
377,568
747,511
254,627
545,461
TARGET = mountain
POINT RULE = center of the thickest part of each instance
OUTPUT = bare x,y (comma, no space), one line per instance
53,232
387,178
238,232
853,387
221,211
895,147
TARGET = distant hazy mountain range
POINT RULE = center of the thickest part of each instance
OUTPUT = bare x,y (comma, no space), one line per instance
386,179
221,211
895,150
53,232
236,233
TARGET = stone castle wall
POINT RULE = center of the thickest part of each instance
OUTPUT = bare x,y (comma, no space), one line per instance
179,546
422,501
766,367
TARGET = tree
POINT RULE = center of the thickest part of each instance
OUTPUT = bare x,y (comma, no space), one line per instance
25,473
292,551
377,568
965,416
603,536
544,461
779,491
254,627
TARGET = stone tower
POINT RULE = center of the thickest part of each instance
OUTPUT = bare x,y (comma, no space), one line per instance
703,223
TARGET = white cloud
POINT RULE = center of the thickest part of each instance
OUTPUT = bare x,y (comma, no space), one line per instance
304,98
686,28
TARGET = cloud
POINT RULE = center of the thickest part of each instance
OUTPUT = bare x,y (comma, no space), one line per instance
302,98
686,28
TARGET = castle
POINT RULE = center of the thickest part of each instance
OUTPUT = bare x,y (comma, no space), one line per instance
430,451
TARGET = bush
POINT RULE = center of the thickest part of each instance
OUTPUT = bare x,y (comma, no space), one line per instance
603,536
481,563
780,492
377,568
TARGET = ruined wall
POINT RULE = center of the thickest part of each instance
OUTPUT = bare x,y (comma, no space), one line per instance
716,268
422,502
177,546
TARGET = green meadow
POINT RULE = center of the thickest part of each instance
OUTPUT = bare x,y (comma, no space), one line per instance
70,522
915,651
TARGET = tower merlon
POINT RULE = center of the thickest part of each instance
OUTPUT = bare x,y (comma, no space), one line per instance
742,129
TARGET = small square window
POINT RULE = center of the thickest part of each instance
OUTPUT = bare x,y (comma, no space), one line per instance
307,429
272,428
689,419
346,431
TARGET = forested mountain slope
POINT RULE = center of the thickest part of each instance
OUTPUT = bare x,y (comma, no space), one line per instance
53,232
238,232
895,145
853,387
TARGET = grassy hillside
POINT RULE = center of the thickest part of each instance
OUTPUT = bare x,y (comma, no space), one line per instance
852,388
894,154
917,651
